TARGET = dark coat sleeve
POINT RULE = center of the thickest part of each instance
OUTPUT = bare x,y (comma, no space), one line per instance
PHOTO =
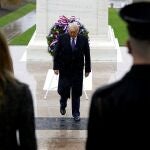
27,122
87,56
56,60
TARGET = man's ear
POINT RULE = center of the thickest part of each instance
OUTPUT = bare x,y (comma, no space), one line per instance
129,47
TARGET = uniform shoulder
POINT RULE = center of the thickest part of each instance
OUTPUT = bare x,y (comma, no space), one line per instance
106,90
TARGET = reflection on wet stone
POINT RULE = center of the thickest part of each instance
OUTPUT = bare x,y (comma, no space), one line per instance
46,123
19,26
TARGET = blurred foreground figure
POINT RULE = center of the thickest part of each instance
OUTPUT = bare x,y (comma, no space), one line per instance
120,112
17,129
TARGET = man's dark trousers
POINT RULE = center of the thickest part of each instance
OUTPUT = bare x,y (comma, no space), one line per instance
72,85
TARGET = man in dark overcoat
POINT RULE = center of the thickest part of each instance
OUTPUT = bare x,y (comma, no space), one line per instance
72,53
120,112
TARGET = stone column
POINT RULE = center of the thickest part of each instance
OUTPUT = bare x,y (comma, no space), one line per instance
41,18
102,20
37,47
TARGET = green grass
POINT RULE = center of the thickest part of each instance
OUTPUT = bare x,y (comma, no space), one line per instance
16,14
118,26
24,38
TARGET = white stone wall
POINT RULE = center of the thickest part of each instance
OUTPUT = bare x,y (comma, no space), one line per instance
87,12
92,13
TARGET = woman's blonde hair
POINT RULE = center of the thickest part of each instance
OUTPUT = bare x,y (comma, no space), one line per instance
6,65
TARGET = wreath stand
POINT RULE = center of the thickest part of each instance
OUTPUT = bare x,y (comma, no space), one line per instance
56,76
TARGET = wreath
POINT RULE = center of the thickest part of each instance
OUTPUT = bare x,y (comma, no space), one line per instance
60,27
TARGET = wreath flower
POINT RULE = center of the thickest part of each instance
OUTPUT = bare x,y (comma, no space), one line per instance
60,27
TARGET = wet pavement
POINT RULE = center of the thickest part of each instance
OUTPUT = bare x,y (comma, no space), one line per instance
56,132
19,26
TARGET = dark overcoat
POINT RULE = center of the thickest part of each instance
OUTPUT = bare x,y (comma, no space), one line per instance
17,114
70,63
119,113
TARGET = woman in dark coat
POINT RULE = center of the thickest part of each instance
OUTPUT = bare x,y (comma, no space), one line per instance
17,128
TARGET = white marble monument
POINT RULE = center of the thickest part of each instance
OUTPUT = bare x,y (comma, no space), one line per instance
92,13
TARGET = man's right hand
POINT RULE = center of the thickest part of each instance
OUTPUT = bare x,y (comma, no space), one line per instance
56,72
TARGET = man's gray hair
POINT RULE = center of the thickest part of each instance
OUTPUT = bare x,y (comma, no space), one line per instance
73,25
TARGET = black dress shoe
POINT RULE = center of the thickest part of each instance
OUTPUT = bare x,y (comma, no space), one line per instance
62,111
77,118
